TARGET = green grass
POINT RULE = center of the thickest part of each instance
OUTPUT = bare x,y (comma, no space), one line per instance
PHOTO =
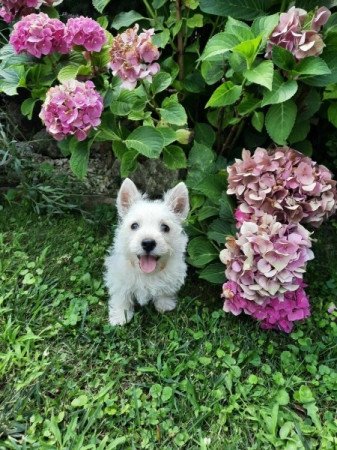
195,378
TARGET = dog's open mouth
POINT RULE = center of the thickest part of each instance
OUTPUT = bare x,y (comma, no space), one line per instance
148,263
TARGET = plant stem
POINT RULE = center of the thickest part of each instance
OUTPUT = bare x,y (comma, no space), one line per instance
150,98
153,107
180,42
219,131
215,24
232,137
237,134
235,131
228,140
186,34
284,5
149,9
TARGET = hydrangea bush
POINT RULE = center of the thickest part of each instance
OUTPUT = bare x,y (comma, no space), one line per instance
192,83
266,262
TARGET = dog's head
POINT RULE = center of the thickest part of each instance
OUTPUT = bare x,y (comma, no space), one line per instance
150,232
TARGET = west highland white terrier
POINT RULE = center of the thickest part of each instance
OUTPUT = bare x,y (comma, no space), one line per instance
147,259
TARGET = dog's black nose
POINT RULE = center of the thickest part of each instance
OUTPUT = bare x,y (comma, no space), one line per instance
148,245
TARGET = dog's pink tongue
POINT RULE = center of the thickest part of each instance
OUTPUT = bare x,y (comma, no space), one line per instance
148,263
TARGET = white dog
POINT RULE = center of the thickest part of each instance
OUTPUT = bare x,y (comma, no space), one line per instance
146,261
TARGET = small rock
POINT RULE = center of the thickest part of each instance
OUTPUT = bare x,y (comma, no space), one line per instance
44,144
154,178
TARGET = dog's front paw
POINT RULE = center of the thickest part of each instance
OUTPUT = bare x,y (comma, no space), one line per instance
164,304
120,317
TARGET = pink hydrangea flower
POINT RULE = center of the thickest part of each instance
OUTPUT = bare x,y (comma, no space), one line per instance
274,313
132,57
85,32
267,258
10,9
284,183
72,109
38,35
243,213
298,34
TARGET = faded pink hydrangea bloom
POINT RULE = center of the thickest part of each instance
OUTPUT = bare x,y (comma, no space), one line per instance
10,9
332,308
85,32
284,183
132,57
38,35
298,34
267,258
274,313
72,109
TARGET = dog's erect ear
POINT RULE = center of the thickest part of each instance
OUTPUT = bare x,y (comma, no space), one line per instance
177,200
127,195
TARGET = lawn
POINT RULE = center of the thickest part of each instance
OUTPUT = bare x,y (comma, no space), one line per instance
195,378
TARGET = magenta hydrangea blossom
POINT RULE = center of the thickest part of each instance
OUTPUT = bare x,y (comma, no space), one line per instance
38,35
274,313
298,34
10,9
284,183
244,213
85,32
132,57
267,258
72,109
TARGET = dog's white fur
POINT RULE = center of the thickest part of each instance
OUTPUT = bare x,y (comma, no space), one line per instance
124,278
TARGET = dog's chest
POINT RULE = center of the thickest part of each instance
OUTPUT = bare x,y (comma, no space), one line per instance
148,287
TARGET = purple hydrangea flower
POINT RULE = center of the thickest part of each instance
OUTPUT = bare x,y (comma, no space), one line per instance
72,109
85,32
10,9
38,35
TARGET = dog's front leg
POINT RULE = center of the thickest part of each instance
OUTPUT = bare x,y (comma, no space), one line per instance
165,303
121,308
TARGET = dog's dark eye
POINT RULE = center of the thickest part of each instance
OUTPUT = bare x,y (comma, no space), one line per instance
165,228
134,226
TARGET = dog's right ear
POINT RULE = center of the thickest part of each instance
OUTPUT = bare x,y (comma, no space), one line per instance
127,195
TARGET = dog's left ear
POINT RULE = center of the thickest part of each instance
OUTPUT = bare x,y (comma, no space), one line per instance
127,195
177,200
